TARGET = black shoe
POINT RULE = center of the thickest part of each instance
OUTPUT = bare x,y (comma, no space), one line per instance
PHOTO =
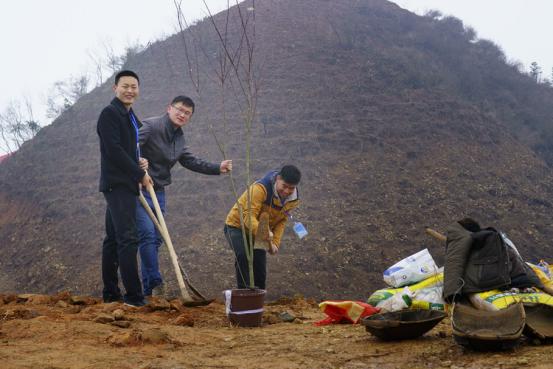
108,300
135,304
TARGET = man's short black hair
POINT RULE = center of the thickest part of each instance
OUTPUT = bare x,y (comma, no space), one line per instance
470,225
184,100
126,73
290,174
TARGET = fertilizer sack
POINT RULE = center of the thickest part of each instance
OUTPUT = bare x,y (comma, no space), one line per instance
411,270
427,294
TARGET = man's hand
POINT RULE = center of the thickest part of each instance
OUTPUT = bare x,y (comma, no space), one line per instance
273,249
226,166
143,163
146,181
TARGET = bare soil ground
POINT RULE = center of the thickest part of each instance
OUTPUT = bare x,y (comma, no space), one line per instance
63,331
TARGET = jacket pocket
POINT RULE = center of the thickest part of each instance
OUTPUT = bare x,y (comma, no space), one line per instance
489,271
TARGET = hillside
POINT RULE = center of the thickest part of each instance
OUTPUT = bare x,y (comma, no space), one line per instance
397,122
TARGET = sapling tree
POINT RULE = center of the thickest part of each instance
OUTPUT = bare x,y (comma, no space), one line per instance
237,73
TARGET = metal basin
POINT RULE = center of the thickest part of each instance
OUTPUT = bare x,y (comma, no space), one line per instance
403,324
487,330
539,321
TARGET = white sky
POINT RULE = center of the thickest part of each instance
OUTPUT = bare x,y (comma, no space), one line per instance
42,42
46,41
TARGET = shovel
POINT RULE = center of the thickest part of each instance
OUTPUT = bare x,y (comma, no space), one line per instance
437,235
183,283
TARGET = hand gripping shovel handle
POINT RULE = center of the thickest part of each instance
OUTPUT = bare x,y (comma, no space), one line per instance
162,227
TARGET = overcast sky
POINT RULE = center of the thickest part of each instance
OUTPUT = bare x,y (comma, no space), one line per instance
46,41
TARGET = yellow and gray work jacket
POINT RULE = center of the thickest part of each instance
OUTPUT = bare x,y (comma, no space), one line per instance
264,198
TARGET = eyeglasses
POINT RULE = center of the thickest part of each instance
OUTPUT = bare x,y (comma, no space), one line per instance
182,111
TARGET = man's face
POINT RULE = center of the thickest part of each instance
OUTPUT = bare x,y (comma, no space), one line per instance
127,90
284,189
179,114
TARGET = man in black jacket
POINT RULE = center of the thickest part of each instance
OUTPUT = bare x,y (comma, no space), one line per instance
122,170
162,143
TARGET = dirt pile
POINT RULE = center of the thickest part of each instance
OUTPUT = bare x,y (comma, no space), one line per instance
79,332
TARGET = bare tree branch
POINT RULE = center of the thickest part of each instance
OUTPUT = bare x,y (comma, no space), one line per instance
236,70
17,126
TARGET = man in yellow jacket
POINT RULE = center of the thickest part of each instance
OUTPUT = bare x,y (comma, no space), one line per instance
272,198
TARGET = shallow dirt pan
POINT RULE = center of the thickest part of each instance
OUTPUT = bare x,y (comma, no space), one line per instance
539,321
404,324
487,330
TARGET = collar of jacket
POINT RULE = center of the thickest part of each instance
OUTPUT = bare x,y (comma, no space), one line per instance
120,107
170,131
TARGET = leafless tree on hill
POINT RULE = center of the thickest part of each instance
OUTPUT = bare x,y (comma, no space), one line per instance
17,125
64,94
107,61
98,65
535,72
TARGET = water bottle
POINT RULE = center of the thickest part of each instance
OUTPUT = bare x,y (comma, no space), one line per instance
299,230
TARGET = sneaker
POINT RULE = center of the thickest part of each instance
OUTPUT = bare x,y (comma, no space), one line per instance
135,304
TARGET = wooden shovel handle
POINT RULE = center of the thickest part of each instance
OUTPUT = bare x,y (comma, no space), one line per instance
165,234
437,235
149,211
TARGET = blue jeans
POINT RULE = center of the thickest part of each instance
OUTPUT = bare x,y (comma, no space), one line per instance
149,242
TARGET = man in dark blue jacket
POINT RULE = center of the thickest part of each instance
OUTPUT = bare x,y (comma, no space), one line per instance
122,170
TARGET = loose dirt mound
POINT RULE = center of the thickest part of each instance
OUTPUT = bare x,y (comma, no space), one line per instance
63,331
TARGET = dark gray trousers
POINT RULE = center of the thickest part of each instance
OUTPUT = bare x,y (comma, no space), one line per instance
236,242
119,250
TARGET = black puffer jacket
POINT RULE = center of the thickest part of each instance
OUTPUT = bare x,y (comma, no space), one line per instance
475,262
481,261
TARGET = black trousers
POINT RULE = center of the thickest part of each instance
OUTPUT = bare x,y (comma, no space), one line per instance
119,250
236,242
